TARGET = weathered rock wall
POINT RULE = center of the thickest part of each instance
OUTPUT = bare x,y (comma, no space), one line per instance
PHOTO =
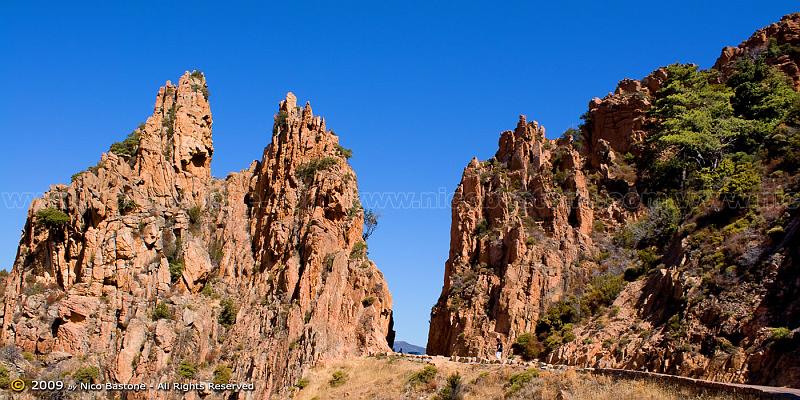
160,265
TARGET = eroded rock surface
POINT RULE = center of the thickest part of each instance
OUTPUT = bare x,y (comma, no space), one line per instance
535,225
161,265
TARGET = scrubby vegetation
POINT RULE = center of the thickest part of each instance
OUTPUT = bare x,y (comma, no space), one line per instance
555,327
87,374
309,170
161,311
423,376
187,369
222,374
129,146
51,218
359,251
368,301
125,203
227,316
5,378
176,270
302,383
527,346
453,388
344,152
195,215
338,378
519,380
399,377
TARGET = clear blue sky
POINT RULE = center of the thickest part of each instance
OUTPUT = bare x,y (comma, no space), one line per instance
416,88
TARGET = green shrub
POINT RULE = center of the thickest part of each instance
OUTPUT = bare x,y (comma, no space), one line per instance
52,217
482,228
778,334
5,378
89,374
423,376
519,380
775,231
309,170
675,325
338,378
195,215
161,312
453,389
355,209
302,383
725,345
176,270
559,314
187,369
222,375
359,251
656,229
344,152
227,316
330,258
280,120
125,203
202,88
598,226
128,147
602,291
208,290
527,346
368,301
743,178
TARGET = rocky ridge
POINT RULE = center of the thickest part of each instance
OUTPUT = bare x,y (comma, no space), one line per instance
536,230
146,269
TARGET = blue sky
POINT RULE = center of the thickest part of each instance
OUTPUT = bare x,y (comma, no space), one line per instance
415,88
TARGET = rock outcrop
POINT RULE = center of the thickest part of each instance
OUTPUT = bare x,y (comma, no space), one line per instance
779,43
533,227
146,267
520,222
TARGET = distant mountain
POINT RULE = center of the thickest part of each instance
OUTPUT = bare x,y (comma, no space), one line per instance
408,348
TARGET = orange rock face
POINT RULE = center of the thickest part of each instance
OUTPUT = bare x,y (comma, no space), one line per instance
520,221
534,223
779,42
264,272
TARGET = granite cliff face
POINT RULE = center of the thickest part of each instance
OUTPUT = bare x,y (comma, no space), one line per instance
542,260
150,270
777,43
514,239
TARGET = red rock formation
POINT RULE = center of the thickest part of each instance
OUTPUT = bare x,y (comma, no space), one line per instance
617,122
262,272
779,42
532,224
519,223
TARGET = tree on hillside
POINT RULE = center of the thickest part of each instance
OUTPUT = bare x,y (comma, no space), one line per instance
694,121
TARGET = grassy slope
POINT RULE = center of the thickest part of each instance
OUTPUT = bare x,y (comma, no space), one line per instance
387,378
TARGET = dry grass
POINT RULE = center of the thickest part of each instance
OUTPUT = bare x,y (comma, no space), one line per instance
570,385
388,379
